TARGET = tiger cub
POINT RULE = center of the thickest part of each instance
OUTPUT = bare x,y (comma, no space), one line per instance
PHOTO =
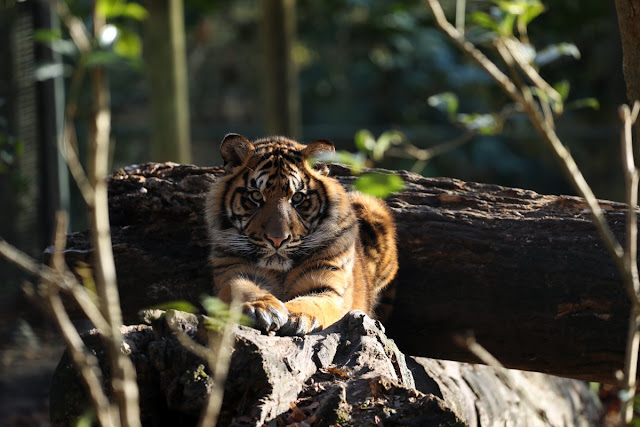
289,241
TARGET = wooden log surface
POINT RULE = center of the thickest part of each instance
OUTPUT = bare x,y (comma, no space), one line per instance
527,273
349,374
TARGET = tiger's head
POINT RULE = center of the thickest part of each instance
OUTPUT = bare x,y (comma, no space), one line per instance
272,205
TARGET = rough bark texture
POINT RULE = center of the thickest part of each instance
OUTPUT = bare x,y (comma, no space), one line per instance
527,273
349,374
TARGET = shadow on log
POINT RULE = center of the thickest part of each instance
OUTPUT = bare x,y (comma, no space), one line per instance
527,273
348,374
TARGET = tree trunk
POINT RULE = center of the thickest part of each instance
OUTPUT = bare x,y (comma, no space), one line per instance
527,273
166,67
629,24
280,76
349,374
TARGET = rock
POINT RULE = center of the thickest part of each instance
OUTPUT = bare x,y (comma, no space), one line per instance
348,374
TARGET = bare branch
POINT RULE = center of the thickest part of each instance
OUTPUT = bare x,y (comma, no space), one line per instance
220,365
632,282
85,361
77,30
548,134
123,373
529,71
469,342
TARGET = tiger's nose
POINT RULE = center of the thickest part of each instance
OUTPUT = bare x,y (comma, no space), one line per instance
277,240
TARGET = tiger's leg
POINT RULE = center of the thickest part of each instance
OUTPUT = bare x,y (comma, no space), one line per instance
312,313
267,312
319,294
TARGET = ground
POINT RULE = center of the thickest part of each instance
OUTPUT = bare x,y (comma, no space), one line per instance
29,351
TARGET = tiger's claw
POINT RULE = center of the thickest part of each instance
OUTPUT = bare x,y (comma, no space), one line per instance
268,313
299,324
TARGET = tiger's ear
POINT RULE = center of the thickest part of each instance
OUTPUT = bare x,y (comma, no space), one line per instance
317,152
235,149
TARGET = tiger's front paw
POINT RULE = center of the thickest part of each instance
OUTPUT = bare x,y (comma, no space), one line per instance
268,313
299,324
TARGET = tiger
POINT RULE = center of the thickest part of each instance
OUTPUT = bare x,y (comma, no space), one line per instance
290,242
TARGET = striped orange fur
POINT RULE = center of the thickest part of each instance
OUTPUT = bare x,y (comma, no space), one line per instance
290,241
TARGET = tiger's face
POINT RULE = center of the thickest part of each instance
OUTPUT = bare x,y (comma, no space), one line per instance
273,200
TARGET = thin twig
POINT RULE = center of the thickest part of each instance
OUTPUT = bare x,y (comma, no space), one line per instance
529,71
69,283
77,30
123,381
70,147
628,118
85,361
221,362
59,241
461,6
469,342
548,134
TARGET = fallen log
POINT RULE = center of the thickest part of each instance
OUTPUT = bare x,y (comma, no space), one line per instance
348,374
527,273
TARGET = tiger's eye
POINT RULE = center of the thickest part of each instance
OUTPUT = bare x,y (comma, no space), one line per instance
256,196
297,198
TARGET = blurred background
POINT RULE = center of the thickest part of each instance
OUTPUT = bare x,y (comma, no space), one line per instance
182,74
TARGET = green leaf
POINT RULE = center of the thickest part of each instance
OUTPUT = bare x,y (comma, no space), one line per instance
214,306
505,27
220,314
127,44
364,141
446,102
384,142
135,11
85,272
47,35
119,8
185,306
484,20
354,161
583,103
379,184
531,12
484,124
556,51
563,87
101,58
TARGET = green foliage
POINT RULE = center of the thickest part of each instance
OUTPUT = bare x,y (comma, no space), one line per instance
483,124
446,102
374,148
121,9
85,272
185,306
370,150
127,44
355,161
220,314
508,15
117,42
379,184
86,420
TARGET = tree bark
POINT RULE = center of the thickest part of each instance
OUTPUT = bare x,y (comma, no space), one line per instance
629,23
166,67
526,273
280,75
349,374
